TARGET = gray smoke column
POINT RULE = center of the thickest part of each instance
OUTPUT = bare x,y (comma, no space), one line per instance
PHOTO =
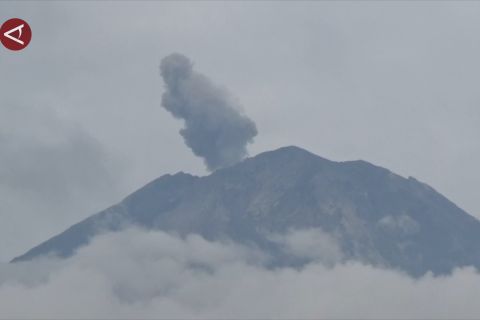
215,129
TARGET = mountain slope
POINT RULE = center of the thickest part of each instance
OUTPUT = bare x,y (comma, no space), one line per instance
376,216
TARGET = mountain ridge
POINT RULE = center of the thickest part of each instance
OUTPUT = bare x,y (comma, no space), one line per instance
377,216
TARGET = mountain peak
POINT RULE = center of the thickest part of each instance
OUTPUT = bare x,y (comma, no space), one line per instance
289,152
281,162
291,149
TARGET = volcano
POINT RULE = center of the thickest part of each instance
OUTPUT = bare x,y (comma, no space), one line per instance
375,216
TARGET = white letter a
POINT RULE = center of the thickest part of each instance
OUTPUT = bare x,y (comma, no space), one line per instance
19,29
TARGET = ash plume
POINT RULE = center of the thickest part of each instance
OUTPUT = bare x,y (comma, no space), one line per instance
215,128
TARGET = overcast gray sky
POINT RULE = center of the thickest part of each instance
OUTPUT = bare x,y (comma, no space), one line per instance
81,124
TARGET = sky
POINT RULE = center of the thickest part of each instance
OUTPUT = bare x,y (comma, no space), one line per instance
81,122
82,126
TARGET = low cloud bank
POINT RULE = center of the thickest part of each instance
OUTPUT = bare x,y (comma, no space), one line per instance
140,274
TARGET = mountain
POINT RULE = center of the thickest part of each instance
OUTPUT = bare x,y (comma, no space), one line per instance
376,216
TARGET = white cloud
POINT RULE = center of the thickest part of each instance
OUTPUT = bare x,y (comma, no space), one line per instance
313,244
139,274
403,224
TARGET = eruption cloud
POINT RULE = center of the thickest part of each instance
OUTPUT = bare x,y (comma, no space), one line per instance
215,129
